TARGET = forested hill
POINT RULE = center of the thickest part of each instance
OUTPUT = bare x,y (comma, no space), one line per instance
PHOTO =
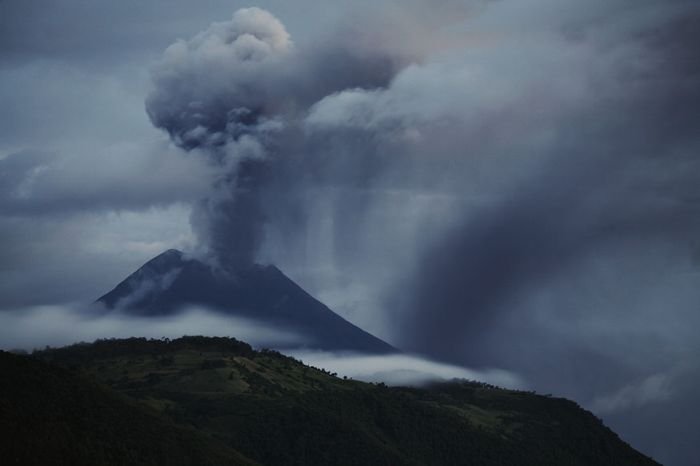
53,416
199,400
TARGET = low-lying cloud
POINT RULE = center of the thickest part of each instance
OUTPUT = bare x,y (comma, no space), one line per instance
654,389
63,325
403,369
56,326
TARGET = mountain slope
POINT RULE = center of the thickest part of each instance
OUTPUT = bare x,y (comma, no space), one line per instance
278,411
171,282
49,415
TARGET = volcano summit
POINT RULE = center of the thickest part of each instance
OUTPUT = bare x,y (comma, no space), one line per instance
172,282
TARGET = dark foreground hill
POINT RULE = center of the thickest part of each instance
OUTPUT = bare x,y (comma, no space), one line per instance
51,416
171,282
198,400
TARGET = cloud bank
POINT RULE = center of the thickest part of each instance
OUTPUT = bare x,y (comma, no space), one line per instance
34,328
403,369
39,326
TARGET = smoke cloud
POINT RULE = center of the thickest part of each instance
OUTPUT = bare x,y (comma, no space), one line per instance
212,93
215,87
519,191
235,92
504,189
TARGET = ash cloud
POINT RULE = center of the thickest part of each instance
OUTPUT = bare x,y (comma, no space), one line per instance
236,92
562,147
215,87
518,182
211,92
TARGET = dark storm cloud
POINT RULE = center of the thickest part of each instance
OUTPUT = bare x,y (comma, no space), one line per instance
617,188
570,147
53,258
86,192
603,137
676,396
34,183
105,33
100,32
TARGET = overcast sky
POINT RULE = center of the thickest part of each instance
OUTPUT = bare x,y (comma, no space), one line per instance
509,184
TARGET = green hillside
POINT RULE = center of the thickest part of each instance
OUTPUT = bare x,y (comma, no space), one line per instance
277,411
50,416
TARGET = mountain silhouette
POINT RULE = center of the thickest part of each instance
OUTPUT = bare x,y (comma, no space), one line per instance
172,282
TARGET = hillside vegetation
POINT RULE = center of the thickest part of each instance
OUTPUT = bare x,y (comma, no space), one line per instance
229,402
51,416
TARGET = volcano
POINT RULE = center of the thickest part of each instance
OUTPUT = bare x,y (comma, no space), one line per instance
172,282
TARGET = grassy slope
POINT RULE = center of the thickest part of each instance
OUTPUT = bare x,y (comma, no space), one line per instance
276,410
51,416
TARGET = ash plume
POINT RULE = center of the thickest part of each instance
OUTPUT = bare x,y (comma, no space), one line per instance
235,93
501,190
